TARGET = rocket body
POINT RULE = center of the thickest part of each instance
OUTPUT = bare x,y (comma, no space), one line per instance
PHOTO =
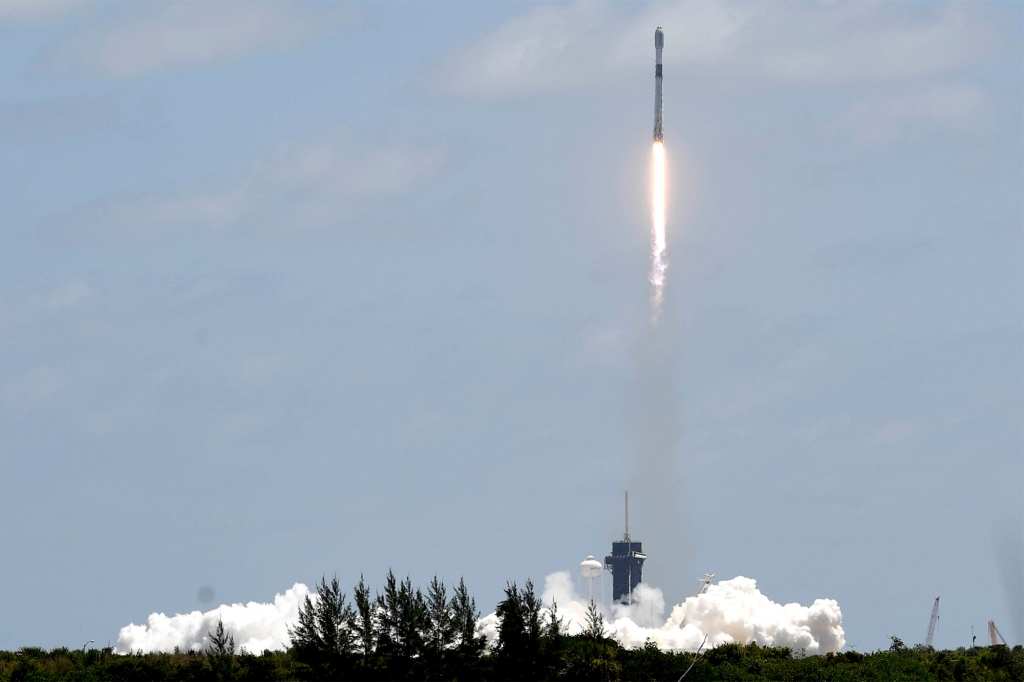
659,44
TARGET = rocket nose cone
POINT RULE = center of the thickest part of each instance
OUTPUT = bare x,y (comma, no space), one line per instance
659,38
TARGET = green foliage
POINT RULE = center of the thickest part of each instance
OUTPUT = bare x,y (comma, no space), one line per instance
440,620
221,652
519,635
465,616
364,621
323,639
594,628
403,620
403,634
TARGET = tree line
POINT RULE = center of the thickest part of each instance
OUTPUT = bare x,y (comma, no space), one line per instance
404,633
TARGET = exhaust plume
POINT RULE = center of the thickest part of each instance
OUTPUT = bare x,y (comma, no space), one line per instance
255,626
730,611
658,262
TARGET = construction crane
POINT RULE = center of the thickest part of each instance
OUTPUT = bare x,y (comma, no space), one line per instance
993,633
932,623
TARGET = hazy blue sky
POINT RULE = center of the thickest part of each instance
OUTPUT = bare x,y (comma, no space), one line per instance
290,289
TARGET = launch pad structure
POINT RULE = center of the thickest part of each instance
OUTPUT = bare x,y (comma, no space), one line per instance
626,562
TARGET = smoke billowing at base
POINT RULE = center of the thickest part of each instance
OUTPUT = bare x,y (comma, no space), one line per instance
255,626
730,611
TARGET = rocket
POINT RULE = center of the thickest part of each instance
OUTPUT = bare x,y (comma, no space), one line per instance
659,43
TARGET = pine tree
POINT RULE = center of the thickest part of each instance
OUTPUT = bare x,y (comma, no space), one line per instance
323,628
402,619
221,651
595,623
222,642
465,616
365,625
519,635
440,621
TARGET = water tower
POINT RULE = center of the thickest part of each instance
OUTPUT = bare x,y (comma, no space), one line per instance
590,568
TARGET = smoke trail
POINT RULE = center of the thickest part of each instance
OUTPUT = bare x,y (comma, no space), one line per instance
731,611
1007,536
255,626
657,475
658,262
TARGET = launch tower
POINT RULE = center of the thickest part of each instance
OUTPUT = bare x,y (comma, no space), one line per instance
626,562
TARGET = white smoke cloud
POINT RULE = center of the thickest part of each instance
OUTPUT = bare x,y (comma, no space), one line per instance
730,611
255,626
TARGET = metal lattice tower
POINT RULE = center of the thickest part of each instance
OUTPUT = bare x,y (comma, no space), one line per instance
993,633
932,623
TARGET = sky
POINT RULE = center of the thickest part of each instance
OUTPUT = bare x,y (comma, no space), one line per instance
292,289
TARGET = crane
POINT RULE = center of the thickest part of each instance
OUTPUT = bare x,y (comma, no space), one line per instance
993,633
932,623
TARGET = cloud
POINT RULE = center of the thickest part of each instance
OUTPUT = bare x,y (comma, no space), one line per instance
592,46
255,626
153,37
55,118
895,431
817,430
730,611
882,116
38,11
302,185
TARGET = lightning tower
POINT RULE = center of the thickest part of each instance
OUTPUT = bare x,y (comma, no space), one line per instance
626,562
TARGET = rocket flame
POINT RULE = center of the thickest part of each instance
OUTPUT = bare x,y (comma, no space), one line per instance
658,261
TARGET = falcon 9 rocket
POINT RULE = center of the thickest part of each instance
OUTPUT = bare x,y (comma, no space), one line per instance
659,43
658,244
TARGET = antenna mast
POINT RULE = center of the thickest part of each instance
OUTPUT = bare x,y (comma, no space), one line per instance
626,535
932,623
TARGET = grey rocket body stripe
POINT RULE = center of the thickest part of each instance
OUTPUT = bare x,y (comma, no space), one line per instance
659,44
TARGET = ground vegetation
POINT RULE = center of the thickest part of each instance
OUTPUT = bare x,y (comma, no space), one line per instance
402,633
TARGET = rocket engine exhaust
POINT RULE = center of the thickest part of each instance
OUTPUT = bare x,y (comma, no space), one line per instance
658,262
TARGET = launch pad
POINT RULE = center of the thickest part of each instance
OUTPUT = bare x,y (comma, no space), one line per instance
626,562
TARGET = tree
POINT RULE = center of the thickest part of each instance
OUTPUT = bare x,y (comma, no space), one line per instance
595,623
519,635
365,625
322,633
465,616
402,619
440,620
555,629
222,642
221,651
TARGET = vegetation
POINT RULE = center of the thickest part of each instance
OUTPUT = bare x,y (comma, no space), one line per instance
403,634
